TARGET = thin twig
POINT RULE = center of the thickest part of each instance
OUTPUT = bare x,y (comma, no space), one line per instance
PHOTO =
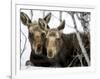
31,12
78,16
80,59
65,23
24,44
60,16
73,60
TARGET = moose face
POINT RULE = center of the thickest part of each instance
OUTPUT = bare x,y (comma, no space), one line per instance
36,31
36,37
54,40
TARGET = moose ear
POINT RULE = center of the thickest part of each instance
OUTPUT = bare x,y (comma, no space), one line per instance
47,17
62,25
25,19
43,24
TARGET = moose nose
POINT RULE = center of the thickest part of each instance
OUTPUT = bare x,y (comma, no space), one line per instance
50,54
38,46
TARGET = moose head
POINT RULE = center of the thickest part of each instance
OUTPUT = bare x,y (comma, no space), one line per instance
36,31
54,40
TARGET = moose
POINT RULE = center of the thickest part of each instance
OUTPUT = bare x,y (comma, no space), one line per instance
62,47
36,36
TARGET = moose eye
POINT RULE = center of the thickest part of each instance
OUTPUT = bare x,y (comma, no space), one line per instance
43,34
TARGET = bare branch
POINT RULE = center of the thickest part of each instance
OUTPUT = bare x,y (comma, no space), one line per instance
24,45
31,12
60,16
82,48
80,40
80,58
77,14
74,58
65,23
84,18
72,61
